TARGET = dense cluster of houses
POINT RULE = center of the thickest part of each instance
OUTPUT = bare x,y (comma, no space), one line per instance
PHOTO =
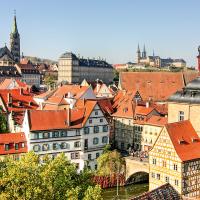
79,120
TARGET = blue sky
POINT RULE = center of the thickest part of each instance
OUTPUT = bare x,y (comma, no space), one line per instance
107,28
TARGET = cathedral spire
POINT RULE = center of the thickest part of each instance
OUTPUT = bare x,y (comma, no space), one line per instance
144,53
15,40
14,28
138,48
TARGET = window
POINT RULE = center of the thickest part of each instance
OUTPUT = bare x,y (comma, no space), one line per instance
89,156
35,136
96,129
36,148
166,179
55,134
63,134
153,175
158,176
64,145
175,167
105,139
16,146
77,132
77,144
95,140
22,144
101,120
86,130
96,112
97,155
45,135
56,146
45,147
105,128
6,147
176,182
164,163
154,161
75,155
90,121
181,116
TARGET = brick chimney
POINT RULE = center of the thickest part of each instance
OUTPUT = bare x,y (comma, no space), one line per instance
21,91
198,59
68,117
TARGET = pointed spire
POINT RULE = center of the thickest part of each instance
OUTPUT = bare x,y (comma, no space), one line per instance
138,49
144,50
14,28
153,53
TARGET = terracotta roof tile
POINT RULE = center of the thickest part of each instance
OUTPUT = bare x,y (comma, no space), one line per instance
57,119
143,110
157,86
11,139
185,140
21,100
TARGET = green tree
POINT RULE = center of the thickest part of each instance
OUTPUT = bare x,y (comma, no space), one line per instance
28,179
93,193
109,163
3,122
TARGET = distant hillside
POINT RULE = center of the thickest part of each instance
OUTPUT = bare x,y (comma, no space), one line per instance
36,60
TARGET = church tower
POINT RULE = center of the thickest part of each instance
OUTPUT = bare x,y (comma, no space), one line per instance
144,53
15,41
138,56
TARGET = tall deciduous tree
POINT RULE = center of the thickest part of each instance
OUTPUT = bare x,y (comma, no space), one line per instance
110,162
28,179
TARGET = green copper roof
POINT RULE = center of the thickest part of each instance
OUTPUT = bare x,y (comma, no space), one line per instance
14,28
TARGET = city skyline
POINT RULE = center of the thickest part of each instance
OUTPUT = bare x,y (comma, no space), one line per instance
111,30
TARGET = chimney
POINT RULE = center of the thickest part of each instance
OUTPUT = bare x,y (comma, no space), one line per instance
198,59
68,117
147,104
21,91
41,106
9,98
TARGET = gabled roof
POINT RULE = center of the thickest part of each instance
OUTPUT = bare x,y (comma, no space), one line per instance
156,120
143,110
184,139
20,100
164,192
4,51
12,138
15,84
76,91
157,86
57,119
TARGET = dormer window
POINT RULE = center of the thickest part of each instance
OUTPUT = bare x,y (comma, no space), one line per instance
125,110
195,140
182,141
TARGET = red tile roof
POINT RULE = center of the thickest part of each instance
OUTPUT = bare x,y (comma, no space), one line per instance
21,100
143,110
184,139
57,119
76,90
11,139
157,86
18,84
156,120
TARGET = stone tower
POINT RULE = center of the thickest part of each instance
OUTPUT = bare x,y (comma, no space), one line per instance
15,41
144,53
138,56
